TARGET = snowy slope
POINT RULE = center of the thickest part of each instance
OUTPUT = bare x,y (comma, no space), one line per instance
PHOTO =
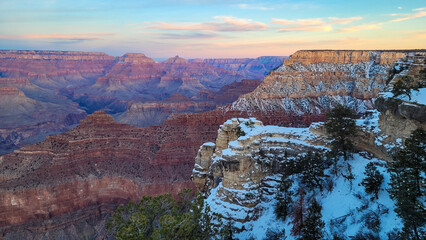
345,206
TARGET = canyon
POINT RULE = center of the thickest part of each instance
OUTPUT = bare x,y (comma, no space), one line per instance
66,86
68,184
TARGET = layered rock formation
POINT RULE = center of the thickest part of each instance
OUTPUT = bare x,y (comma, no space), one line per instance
64,85
240,175
315,81
156,112
145,78
144,114
103,158
406,114
65,186
250,68
25,120
241,170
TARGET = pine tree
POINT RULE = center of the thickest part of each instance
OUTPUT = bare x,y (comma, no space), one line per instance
373,180
164,217
313,225
312,165
404,86
284,200
341,126
408,183
298,213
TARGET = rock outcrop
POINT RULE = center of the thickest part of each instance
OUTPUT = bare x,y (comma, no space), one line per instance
240,170
240,176
400,115
314,81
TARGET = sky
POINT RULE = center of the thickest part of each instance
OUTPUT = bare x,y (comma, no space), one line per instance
211,29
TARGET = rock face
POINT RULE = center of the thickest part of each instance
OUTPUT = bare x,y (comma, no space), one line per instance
66,85
73,180
156,112
241,172
24,120
315,81
399,116
129,79
240,169
250,68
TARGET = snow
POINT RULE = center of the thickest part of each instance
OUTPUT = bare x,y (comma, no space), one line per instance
418,96
343,201
346,202
209,144
370,122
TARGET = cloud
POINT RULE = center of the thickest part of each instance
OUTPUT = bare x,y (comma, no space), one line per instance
410,16
312,24
362,27
60,37
223,24
420,9
400,18
254,7
190,35
78,36
344,20
399,7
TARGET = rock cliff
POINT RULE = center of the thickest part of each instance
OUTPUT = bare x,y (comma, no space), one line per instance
400,115
250,68
65,186
156,112
240,174
240,171
314,81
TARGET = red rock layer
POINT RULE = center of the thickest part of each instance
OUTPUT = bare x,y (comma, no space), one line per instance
12,91
16,82
100,162
156,112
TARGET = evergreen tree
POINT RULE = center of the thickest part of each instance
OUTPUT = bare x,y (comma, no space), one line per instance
408,183
298,213
313,225
341,126
284,200
312,165
404,86
373,180
227,231
163,217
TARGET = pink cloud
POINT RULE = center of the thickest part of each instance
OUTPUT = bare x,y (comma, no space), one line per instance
223,24
313,24
362,27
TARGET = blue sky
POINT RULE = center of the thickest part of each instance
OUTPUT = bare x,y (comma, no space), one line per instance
190,28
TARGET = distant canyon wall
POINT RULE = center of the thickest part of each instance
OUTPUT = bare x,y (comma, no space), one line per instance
313,82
